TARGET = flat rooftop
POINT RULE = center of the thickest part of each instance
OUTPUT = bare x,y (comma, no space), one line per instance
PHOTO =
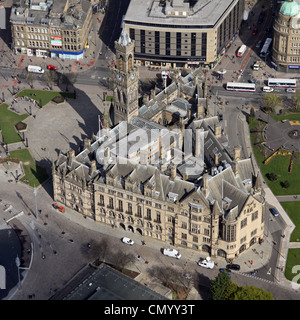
205,13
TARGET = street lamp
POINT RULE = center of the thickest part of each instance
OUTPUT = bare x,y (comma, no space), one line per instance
18,263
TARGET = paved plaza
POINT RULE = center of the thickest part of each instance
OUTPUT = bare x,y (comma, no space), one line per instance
283,134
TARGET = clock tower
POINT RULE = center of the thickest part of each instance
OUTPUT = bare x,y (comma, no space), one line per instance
124,77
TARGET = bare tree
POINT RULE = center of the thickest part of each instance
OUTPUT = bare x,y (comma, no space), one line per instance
171,276
122,259
96,249
50,78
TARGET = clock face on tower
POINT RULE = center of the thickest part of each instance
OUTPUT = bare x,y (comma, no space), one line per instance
119,77
132,76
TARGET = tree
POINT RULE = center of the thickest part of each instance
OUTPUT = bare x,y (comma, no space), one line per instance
121,259
271,101
96,249
252,293
50,77
219,286
296,100
230,291
285,184
272,176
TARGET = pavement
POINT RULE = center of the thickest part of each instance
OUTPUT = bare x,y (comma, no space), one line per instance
255,258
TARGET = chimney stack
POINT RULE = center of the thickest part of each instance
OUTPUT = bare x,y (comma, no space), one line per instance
146,99
218,130
173,171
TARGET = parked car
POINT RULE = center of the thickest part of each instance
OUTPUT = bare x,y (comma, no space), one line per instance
291,90
127,241
172,253
274,212
51,67
220,117
206,263
233,266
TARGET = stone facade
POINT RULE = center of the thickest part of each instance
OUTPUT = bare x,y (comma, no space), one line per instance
286,39
222,214
51,28
124,79
198,197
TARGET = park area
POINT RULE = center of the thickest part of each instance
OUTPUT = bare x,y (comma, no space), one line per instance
42,97
34,174
281,177
8,120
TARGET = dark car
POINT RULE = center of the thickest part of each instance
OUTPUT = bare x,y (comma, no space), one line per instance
274,212
220,117
254,31
233,266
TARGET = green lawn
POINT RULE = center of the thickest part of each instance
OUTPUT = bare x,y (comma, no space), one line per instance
289,116
293,261
8,120
44,96
292,208
278,165
35,174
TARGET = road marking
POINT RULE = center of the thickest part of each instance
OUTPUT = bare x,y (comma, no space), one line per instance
269,271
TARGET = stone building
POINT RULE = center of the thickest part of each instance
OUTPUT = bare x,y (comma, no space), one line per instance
221,213
189,192
286,39
51,28
182,33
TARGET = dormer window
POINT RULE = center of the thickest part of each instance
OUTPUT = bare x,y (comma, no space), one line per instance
172,196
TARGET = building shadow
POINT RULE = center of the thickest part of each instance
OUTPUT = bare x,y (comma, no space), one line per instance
111,28
202,285
5,34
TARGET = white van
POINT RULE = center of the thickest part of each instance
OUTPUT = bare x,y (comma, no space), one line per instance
35,69
267,89
172,253
206,263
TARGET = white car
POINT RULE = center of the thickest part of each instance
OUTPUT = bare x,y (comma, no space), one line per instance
127,241
291,90
172,253
268,89
206,263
